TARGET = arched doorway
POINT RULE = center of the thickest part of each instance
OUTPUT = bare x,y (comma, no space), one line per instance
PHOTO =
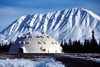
20,50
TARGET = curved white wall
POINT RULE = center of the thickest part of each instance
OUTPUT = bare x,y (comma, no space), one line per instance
36,44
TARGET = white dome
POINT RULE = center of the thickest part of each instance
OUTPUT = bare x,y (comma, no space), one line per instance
36,43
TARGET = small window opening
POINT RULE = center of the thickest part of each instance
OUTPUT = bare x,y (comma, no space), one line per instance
30,32
41,36
43,49
37,36
19,42
55,43
30,36
27,42
23,42
52,42
44,42
26,36
48,36
39,42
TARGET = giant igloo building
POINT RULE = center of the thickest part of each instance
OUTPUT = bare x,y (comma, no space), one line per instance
35,43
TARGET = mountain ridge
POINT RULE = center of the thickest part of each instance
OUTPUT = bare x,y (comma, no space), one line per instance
76,23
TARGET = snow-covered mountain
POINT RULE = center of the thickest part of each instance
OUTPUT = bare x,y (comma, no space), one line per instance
76,23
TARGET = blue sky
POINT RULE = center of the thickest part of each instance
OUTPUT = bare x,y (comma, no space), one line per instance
10,10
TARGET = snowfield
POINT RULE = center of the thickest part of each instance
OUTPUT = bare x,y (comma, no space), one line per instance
41,63
50,60
29,63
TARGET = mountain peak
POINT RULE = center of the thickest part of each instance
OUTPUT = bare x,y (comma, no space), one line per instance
76,23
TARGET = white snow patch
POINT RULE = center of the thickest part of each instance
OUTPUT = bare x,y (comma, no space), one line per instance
29,63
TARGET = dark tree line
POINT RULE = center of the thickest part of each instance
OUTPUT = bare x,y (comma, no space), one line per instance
5,47
89,46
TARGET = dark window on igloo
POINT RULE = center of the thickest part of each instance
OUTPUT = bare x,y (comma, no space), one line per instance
39,42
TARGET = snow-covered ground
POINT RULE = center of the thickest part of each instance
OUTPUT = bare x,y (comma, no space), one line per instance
50,60
29,63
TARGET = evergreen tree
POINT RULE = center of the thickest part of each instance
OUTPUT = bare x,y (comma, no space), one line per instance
99,46
0,48
90,46
65,48
70,41
87,46
99,41
62,43
94,44
4,47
